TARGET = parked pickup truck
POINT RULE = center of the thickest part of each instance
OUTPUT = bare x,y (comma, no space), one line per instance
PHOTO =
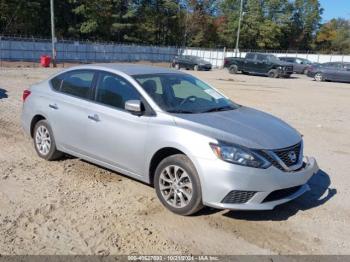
259,64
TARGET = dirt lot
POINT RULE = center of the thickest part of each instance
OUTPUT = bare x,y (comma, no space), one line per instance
73,207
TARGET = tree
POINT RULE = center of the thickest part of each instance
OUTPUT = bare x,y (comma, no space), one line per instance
334,36
304,23
263,26
23,17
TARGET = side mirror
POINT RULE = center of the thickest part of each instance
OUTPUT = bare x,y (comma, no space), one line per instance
133,106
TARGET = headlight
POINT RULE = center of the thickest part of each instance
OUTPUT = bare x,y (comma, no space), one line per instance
239,155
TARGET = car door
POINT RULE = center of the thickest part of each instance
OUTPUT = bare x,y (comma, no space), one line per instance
189,62
299,65
343,72
346,72
249,63
68,108
115,136
334,71
261,64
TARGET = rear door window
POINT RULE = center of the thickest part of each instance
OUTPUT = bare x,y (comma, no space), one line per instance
78,83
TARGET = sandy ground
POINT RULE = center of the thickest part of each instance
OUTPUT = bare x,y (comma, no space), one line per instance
73,207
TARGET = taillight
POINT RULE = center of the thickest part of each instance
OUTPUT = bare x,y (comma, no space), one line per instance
26,93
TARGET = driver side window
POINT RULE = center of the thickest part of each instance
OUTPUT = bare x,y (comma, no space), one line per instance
113,90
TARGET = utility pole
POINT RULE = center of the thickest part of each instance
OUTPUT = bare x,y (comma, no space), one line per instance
239,27
53,38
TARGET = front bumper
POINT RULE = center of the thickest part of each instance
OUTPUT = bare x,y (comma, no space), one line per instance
283,73
219,178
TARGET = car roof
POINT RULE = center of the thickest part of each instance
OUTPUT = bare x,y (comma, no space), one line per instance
129,69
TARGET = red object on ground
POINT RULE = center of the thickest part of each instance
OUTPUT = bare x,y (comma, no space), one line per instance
45,60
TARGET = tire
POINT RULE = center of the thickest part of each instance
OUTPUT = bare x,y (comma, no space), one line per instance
45,149
233,69
319,77
273,73
196,68
177,66
186,201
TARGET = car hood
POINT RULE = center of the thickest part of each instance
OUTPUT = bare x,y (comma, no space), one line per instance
244,126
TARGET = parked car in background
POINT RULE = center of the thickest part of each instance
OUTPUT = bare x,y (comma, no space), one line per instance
300,65
259,64
171,130
332,71
191,62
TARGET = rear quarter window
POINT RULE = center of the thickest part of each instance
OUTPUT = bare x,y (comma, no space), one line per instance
78,83
56,82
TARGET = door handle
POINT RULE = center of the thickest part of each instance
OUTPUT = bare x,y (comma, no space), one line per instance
53,106
94,117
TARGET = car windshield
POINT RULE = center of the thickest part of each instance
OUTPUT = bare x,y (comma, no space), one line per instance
181,93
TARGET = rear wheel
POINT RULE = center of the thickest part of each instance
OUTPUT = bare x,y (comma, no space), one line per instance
273,73
177,185
233,69
319,77
44,142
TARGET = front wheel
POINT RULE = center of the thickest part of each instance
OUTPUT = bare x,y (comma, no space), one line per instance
44,142
319,77
177,185
273,73
233,69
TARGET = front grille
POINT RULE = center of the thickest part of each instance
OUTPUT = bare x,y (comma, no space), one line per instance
271,160
238,197
282,193
286,154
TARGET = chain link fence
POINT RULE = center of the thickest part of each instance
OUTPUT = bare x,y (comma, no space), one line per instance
29,50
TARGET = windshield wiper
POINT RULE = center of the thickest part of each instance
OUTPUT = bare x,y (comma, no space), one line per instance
179,111
217,109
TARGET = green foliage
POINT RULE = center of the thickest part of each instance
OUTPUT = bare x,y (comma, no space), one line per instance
266,24
334,36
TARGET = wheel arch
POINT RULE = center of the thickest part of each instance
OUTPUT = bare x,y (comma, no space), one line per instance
158,156
35,119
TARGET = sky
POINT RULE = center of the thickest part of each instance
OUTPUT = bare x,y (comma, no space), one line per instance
335,8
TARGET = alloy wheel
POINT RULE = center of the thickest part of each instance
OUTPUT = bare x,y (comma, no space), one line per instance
319,77
175,186
43,140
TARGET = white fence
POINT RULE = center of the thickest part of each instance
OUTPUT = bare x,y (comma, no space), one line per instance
30,49
216,57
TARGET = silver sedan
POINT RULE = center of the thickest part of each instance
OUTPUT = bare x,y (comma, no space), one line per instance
169,129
